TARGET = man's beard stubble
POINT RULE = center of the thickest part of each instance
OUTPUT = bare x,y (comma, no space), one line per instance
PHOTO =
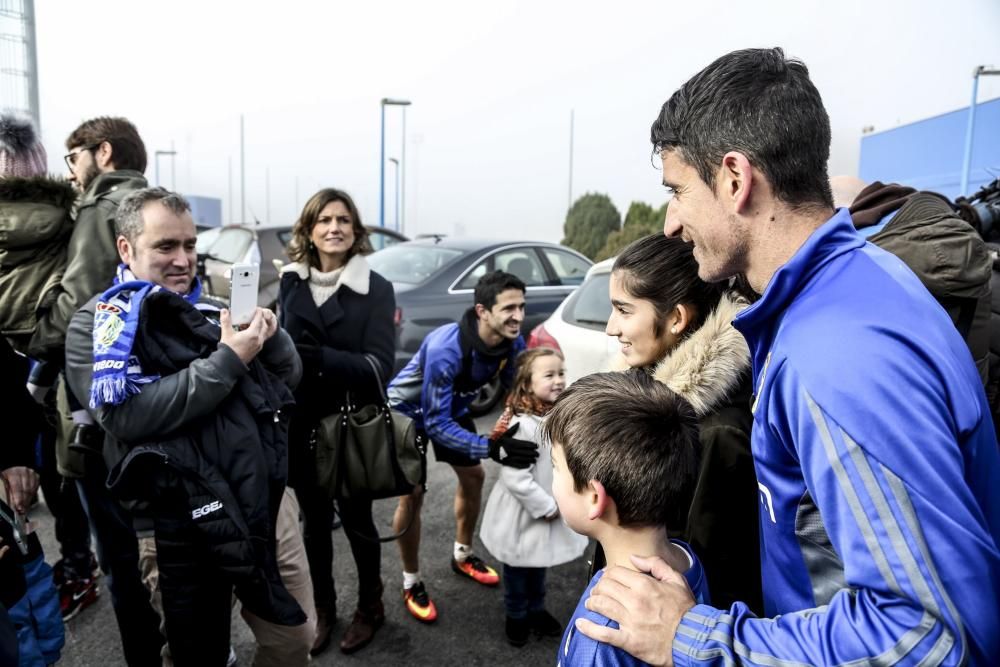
88,177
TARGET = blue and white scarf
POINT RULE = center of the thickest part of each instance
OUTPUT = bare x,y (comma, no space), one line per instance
117,373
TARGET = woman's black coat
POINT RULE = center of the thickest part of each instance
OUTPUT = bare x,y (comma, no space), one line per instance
348,326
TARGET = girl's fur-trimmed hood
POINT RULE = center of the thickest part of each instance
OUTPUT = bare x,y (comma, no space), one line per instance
707,366
38,190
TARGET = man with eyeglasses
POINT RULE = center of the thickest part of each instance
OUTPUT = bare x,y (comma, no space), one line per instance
106,161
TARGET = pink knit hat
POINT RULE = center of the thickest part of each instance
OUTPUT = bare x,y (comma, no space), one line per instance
21,153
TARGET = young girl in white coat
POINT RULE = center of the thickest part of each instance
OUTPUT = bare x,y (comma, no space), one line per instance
521,525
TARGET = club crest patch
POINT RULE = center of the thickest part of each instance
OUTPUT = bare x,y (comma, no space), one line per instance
107,333
108,308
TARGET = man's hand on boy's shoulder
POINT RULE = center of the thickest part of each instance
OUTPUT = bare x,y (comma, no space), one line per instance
648,609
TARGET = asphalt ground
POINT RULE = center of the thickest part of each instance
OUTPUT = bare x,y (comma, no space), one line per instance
470,626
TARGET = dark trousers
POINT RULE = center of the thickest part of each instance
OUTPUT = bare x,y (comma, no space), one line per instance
197,601
8,639
356,518
523,590
63,500
118,555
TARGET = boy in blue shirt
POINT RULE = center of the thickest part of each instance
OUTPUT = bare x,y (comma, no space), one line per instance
625,462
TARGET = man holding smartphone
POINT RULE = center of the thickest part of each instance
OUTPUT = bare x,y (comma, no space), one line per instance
192,411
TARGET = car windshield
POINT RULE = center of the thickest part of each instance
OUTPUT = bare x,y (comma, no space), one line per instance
206,238
413,264
593,305
231,245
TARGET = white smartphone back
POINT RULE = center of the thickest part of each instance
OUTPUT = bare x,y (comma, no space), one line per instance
244,282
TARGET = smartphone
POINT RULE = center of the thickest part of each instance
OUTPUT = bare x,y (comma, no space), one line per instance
244,282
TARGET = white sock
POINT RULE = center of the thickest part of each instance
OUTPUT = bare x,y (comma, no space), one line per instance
462,551
82,417
410,579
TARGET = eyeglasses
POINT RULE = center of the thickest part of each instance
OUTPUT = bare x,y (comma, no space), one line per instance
72,155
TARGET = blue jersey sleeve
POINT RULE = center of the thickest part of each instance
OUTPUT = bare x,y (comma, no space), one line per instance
436,397
920,570
579,650
695,575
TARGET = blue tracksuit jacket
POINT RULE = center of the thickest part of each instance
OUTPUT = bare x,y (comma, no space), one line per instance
879,474
425,389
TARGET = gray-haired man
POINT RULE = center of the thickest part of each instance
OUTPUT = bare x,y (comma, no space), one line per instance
196,439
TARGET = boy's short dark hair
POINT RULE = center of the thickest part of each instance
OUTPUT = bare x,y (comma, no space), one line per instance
492,284
637,438
127,149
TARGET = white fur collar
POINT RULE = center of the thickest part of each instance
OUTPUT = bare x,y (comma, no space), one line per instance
356,275
706,367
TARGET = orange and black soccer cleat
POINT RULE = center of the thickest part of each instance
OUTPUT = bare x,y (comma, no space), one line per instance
475,569
419,604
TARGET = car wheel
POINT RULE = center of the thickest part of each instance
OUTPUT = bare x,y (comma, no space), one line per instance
487,398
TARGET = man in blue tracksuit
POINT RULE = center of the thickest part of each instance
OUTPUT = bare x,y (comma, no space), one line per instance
435,389
874,449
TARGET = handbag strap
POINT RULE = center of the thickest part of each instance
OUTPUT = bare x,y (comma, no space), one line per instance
378,539
378,377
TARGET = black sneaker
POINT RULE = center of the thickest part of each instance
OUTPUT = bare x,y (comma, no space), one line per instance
544,624
518,630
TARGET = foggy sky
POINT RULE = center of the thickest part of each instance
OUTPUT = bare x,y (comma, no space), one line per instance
492,86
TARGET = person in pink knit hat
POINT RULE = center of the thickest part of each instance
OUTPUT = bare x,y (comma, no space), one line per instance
37,222
21,153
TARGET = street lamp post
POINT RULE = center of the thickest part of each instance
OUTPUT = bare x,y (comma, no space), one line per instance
395,163
381,163
156,159
569,205
982,70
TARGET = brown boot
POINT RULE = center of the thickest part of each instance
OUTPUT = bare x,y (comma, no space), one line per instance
325,620
368,618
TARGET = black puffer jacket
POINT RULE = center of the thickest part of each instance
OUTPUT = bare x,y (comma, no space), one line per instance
225,470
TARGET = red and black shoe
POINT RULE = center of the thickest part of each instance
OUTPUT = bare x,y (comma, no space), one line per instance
419,604
75,595
475,569
59,576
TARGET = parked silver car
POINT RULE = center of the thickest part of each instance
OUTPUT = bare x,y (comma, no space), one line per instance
221,247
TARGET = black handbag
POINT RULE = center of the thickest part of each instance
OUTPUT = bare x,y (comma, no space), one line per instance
372,452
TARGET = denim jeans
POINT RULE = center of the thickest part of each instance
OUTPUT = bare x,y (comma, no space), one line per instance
523,590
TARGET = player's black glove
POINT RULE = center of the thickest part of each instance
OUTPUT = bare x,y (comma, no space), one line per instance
509,451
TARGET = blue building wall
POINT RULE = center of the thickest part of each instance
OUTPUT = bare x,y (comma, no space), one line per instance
928,154
206,211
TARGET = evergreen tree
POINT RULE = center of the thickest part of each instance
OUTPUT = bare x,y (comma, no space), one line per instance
589,222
